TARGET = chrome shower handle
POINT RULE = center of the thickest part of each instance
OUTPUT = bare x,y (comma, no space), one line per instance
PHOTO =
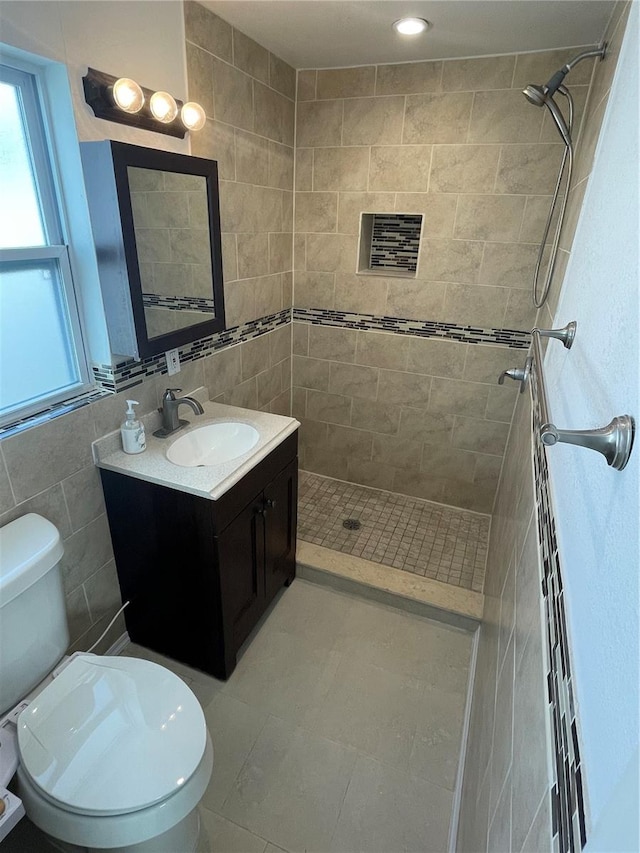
518,374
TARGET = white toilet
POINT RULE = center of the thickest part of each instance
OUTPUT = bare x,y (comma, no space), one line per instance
113,752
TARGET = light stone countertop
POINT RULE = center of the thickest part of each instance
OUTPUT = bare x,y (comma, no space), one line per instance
210,481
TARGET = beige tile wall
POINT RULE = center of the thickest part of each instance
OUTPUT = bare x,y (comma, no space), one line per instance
248,94
48,469
454,140
457,142
505,802
413,415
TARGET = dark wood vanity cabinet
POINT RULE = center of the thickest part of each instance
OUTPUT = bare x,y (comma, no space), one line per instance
199,573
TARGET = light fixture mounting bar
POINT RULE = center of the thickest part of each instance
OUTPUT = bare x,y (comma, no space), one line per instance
97,93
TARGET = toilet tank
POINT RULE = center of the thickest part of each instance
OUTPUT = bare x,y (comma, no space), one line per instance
33,626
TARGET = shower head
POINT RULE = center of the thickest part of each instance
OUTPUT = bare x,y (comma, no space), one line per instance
540,97
536,95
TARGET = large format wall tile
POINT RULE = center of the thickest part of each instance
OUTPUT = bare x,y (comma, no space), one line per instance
398,412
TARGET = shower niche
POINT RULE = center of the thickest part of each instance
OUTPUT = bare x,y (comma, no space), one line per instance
389,244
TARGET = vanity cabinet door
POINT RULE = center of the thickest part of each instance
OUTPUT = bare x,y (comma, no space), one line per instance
241,559
280,504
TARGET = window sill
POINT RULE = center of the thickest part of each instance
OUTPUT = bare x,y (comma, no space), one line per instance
54,411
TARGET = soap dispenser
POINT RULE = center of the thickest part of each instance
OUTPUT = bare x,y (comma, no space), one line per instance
132,431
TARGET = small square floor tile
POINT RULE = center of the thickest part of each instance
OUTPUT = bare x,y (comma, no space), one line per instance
398,531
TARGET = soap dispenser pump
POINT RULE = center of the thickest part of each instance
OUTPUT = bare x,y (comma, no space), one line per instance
132,431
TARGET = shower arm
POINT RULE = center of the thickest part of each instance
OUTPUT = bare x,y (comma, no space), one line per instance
556,81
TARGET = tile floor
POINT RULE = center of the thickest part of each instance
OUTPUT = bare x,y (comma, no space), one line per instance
414,535
338,731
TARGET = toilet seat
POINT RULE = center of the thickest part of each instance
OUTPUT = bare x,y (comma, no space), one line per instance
107,831
111,735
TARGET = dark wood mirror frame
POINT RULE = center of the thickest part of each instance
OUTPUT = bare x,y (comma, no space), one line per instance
125,155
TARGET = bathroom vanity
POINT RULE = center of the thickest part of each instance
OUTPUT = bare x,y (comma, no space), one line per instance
200,565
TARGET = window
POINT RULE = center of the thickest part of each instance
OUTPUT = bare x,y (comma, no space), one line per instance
42,353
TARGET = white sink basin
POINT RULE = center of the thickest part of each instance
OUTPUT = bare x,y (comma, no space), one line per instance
212,444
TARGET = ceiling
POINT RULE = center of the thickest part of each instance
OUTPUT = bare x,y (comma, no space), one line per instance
335,33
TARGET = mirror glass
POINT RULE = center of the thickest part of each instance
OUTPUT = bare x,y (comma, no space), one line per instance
171,226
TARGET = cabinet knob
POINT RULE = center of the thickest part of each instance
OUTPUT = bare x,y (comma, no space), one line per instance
270,504
259,510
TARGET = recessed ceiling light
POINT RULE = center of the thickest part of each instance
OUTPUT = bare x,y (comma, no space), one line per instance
411,26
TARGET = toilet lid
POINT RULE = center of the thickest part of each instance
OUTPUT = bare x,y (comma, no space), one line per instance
111,735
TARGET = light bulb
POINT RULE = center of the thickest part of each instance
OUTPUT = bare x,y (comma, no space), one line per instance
411,26
163,107
193,116
128,95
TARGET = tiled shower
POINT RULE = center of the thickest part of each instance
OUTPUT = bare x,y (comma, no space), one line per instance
394,375
384,401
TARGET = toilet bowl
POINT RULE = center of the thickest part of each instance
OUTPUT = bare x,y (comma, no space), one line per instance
113,752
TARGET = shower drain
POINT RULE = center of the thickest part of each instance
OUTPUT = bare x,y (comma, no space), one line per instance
351,524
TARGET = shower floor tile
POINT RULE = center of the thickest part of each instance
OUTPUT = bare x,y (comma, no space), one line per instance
413,535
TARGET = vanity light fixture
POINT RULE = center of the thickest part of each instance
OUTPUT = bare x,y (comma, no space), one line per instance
193,116
163,107
411,26
128,95
122,100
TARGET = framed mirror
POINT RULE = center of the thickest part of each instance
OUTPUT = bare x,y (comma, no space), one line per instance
169,214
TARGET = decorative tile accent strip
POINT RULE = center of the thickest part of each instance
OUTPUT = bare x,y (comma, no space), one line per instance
567,794
422,328
127,374
395,241
178,303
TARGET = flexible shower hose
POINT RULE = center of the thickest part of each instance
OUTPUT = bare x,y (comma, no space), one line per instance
567,160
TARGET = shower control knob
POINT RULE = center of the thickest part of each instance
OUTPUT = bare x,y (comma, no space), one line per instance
519,374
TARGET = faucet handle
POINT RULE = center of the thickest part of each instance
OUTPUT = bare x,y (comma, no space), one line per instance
170,393
519,374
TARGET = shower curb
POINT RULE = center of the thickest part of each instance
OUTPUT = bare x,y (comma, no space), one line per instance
412,593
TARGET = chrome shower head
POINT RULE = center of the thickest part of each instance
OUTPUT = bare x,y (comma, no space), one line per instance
542,96
535,95
539,96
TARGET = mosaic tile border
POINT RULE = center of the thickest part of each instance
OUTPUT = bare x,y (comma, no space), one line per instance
129,373
53,411
178,303
567,793
512,338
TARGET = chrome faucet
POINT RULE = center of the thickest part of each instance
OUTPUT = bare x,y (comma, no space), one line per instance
170,404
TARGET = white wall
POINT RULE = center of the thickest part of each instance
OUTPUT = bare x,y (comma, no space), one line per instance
128,39
596,507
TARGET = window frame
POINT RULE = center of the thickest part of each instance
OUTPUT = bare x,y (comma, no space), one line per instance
30,79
